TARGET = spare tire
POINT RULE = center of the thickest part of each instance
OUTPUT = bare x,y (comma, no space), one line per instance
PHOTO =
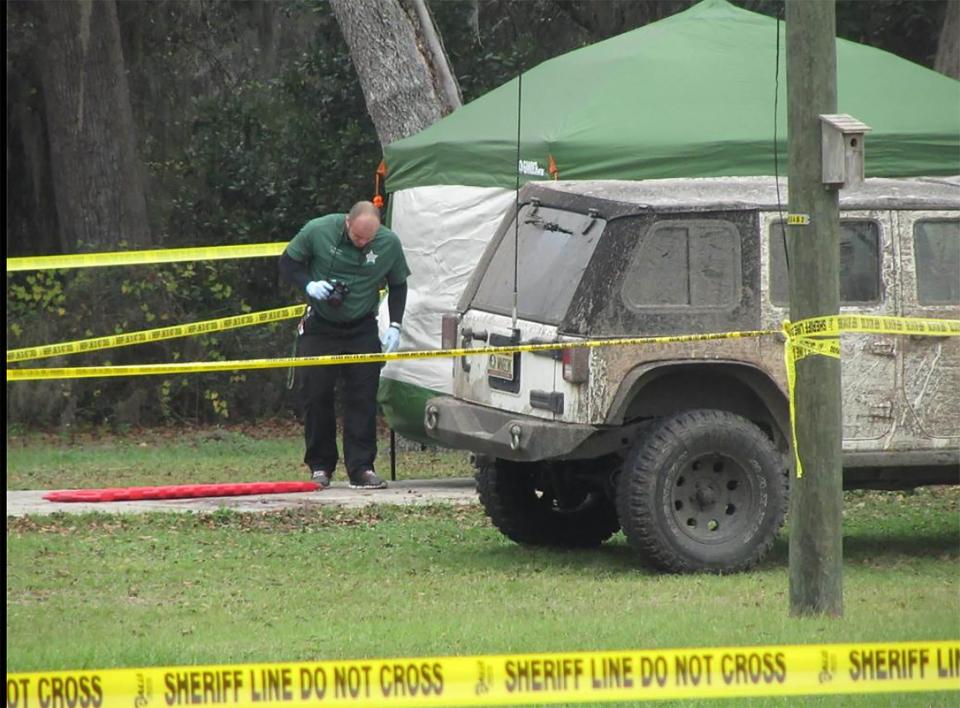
703,490
528,505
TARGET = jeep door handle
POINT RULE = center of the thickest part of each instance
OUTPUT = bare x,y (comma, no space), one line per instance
883,348
480,335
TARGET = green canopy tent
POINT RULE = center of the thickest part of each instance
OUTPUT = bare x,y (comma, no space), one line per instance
692,95
689,96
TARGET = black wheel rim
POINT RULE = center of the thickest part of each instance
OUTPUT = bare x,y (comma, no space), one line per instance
712,498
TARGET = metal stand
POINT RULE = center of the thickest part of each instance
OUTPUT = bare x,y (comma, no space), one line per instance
393,456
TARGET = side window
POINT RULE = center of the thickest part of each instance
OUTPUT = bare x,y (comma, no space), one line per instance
859,264
679,263
936,248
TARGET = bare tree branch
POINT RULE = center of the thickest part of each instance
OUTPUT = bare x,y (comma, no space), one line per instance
396,73
449,88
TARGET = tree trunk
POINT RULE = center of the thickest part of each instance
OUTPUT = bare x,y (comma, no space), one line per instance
406,77
268,35
97,177
30,219
948,48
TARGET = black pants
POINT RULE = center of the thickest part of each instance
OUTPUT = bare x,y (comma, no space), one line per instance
360,382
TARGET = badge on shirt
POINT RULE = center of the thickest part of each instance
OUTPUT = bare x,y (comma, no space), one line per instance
371,258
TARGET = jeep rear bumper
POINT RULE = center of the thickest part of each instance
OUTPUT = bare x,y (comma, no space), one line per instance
502,434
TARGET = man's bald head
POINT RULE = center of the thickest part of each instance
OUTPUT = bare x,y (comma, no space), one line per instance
363,221
364,209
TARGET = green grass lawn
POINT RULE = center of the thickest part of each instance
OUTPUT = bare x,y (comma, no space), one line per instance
101,591
249,453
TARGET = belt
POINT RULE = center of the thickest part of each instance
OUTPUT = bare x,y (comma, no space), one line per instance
349,324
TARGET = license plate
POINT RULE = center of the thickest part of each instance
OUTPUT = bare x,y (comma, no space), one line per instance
500,366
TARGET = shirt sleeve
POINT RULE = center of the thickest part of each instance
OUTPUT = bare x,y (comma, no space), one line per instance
399,272
293,272
300,247
397,302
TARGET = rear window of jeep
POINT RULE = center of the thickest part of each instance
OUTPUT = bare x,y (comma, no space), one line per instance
859,263
685,263
555,248
936,247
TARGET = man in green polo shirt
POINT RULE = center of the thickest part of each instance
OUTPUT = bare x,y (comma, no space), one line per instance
341,261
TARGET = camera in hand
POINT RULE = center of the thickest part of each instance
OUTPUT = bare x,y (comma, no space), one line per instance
340,290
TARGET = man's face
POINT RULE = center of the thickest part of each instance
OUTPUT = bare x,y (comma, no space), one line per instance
362,230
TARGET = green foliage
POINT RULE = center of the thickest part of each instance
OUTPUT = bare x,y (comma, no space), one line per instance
59,306
908,28
262,159
258,160
41,292
267,156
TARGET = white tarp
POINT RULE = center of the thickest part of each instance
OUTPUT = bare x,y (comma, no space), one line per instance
444,230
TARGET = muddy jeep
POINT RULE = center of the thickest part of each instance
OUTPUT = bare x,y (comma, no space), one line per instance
686,447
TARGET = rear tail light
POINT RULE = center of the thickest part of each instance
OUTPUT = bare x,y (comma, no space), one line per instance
448,331
576,365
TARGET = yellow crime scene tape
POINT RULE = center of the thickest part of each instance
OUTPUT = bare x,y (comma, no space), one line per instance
820,336
837,324
803,339
154,335
164,255
814,336
551,678
328,360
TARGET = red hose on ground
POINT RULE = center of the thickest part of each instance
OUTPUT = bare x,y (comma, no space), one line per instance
179,491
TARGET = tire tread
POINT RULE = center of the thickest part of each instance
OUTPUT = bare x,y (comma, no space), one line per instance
508,500
638,485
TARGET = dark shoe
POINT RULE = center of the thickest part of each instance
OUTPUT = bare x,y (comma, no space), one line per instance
321,477
367,479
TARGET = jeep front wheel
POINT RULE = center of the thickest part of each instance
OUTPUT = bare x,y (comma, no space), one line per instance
529,504
703,490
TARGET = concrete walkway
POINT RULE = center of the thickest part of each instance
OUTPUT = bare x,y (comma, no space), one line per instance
424,491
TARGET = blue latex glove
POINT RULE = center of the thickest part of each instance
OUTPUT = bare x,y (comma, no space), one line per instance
391,339
319,289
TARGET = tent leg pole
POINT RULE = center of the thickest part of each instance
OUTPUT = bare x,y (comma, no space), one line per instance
393,455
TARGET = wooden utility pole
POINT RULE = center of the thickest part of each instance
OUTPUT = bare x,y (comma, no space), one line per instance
816,548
